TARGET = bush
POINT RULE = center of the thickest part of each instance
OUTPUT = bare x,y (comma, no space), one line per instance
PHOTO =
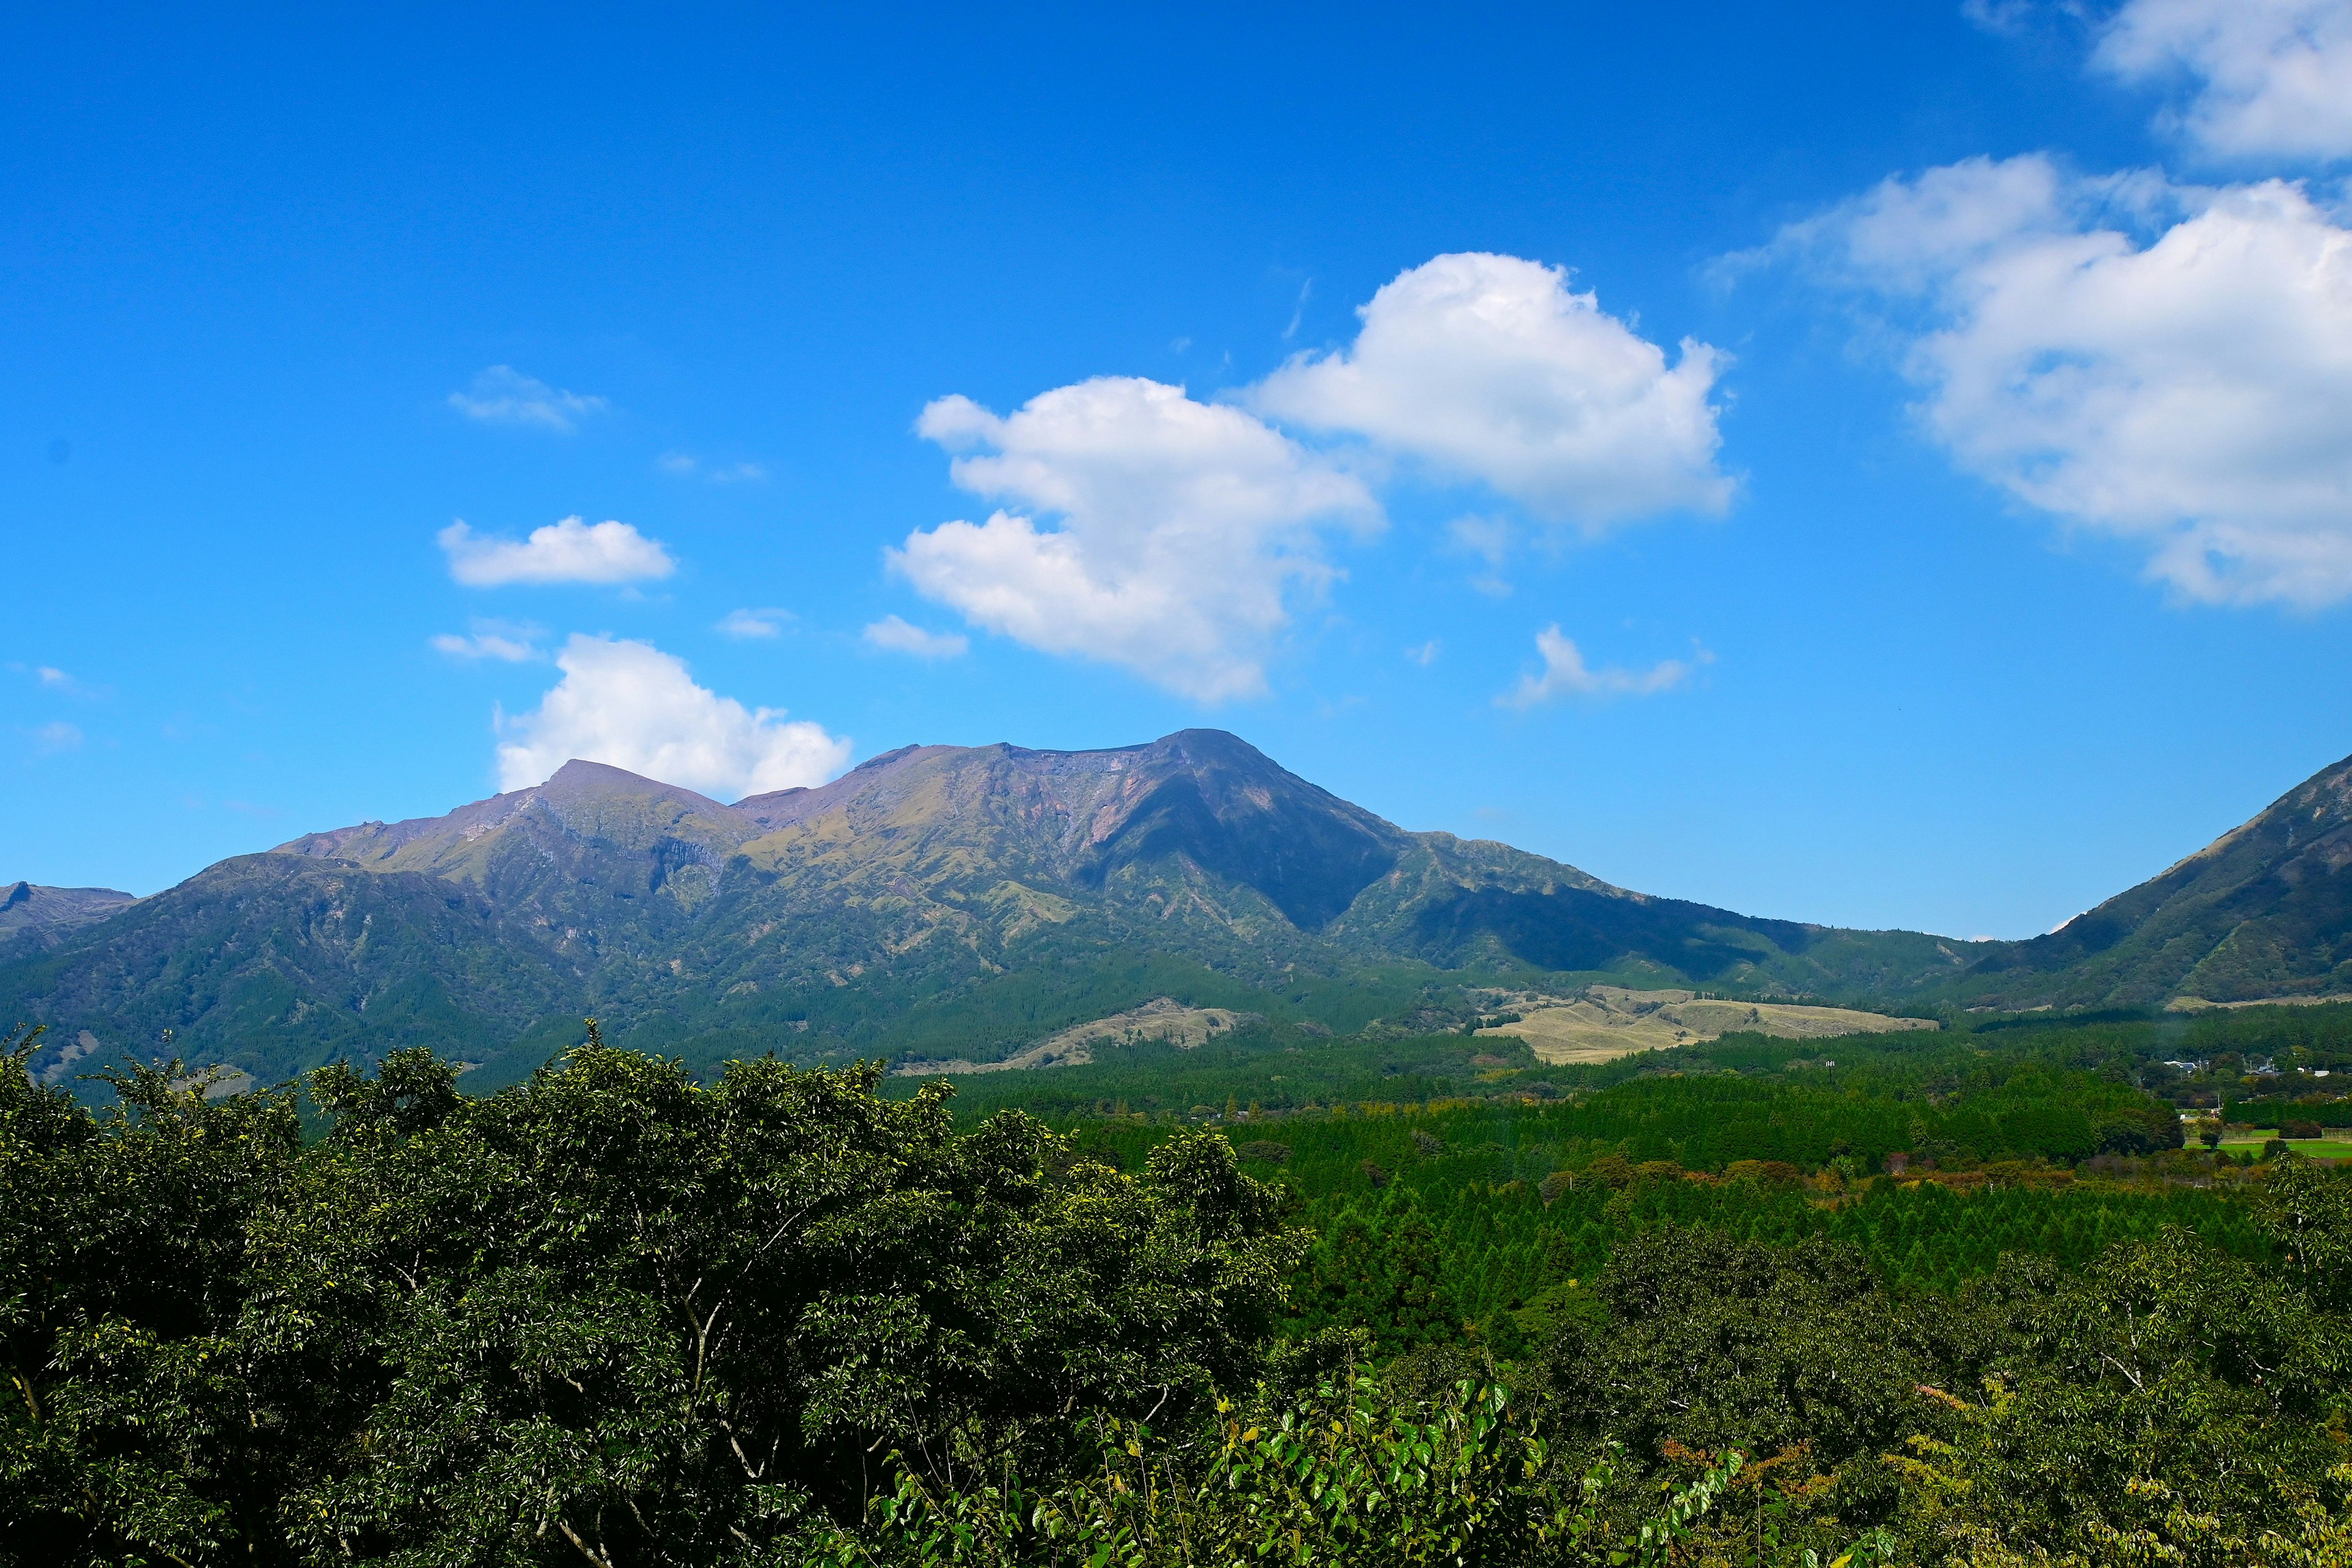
2301,1130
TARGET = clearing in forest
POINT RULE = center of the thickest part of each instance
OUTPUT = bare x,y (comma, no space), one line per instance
1608,1021
1161,1018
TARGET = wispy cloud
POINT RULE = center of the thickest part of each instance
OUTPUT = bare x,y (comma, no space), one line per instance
1565,674
1425,654
49,678
1490,540
900,636
58,736
492,639
504,395
748,624
569,551
686,465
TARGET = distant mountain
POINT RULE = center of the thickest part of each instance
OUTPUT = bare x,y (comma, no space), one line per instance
2264,910
35,918
934,903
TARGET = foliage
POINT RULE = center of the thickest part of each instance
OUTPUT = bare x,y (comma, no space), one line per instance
609,1311
617,1316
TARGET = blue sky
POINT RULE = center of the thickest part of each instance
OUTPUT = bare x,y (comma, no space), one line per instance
1878,465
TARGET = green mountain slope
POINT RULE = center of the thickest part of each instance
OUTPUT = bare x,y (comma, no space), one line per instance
2264,910
937,902
34,918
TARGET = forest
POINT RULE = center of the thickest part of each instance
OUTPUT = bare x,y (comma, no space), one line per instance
1981,1296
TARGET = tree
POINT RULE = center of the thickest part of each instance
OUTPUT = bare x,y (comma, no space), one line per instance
611,1315
145,1424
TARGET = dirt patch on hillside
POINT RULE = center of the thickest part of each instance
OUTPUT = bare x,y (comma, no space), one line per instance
1608,1021
2199,1003
1161,1018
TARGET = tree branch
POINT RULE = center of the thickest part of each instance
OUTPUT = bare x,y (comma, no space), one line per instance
586,1551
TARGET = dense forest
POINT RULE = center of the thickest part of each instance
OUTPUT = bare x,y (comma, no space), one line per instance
1958,1298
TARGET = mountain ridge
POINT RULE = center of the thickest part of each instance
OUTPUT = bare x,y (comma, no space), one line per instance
941,902
2264,910
34,917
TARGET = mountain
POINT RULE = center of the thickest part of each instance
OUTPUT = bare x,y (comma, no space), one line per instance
39,918
2264,910
934,903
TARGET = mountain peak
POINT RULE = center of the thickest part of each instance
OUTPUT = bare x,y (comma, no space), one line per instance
581,781
2264,910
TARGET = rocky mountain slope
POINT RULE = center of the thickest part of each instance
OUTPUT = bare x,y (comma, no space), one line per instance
2264,910
35,918
935,902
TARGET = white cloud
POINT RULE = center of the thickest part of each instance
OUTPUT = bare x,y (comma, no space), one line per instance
504,395
898,637
52,679
632,706
570,550
1425,654
1488,368
2166,364
746,625
491,640
1566,675
2007,17
686,465
1179,530
2269,77
56,737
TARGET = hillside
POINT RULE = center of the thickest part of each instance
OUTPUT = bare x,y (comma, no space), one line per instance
935,902
37,918
2264,910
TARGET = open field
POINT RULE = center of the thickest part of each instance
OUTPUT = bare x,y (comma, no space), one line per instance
1161,1018
1608,1021
2310,1148
2199,1005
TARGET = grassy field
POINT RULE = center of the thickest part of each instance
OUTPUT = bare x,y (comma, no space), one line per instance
1608,1021
2312,1148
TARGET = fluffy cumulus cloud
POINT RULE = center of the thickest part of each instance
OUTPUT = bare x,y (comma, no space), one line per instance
2266,78
570,550
504,395
632,706
1565,674
2169,365
1142,528
897,636
1145,528
1490,368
